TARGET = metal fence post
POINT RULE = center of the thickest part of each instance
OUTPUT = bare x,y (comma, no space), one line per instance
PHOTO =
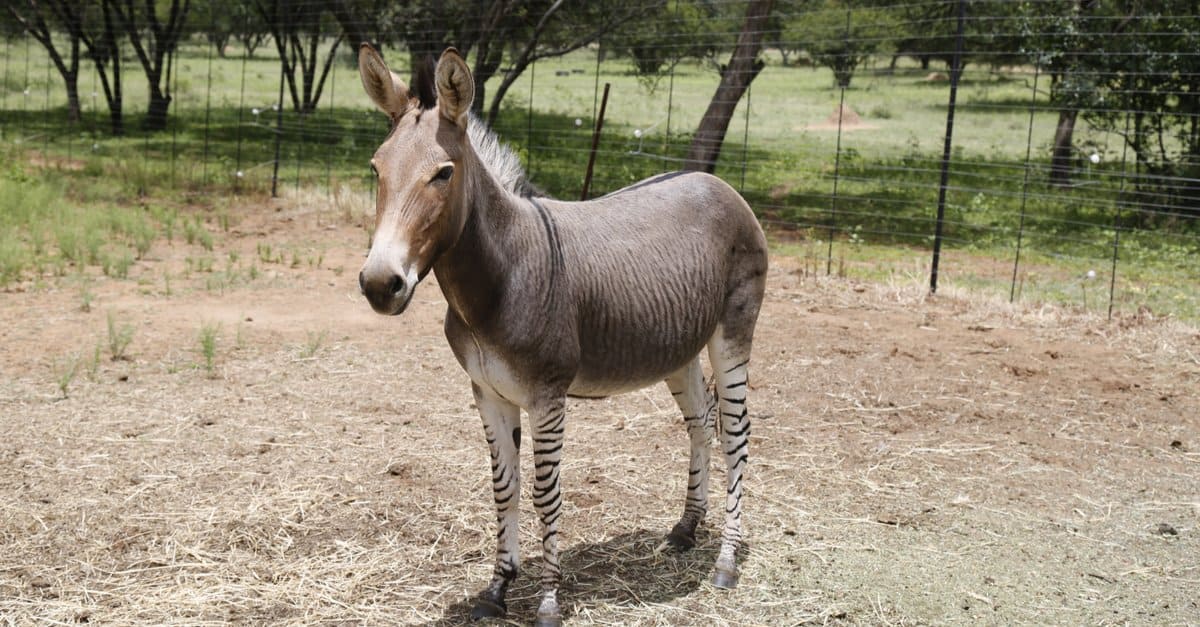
238,174
1012,291
837,159
1116,246
4,102
278,130
955,75
208,107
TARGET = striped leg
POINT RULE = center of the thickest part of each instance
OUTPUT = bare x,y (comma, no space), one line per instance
729,366
687,386
502,427
547,424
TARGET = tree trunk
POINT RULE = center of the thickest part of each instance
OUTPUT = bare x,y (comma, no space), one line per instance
116,116
154,44
156,114
329,59
1062,159
35,24
743,67
112,89
73,111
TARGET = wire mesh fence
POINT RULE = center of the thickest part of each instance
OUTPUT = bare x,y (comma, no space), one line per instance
1045,150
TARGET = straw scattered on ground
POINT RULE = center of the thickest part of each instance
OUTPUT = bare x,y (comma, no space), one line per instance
915,459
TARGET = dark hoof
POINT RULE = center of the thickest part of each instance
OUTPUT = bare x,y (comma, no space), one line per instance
486,608
680,538
679,541
547,621
725,579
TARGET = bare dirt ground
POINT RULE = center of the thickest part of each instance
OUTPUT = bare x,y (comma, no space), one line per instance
914,459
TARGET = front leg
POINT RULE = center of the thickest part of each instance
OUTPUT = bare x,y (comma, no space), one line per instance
502,427
547,421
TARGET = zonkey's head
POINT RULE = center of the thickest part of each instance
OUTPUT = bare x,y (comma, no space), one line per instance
419,208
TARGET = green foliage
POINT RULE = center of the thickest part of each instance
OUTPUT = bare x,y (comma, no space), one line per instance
119,337
674,31
208,345
1131,69
315,340
93,363
43,229
12,258
117,265
67,369
840,35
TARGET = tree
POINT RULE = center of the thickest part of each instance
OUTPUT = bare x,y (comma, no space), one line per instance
370,21
554,31
512,34
669,34
89,23
1055,37
1129,68
299,27
744,65
102,47
155,41
1147,75
840,35
35,18
222,21
927,30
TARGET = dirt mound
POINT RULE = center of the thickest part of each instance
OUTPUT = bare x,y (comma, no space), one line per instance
843,117
844,114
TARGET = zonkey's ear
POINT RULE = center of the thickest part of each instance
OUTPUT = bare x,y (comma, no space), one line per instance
386,90
455,87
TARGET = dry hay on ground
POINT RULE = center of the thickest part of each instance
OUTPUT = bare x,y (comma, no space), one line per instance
920,460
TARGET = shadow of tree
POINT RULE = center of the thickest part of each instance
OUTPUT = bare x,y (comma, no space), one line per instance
622,570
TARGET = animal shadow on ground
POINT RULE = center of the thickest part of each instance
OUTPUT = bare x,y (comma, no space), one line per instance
623,570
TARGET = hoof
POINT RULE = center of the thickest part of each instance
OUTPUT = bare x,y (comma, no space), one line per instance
681,538
680,541
485,608
545,620
725,579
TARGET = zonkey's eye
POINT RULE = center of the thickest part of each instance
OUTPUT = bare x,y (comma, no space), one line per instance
445,173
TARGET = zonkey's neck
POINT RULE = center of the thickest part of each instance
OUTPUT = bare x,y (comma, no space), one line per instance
473,271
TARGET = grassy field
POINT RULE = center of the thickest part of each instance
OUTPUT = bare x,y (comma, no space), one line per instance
781,152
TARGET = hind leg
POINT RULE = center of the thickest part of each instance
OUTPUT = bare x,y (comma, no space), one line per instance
687,386
729,360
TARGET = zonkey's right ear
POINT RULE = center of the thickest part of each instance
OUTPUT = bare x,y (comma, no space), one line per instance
385,89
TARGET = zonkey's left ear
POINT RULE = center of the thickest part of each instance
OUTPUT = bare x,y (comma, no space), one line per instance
455,87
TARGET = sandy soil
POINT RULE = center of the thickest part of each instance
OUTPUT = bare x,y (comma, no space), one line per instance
914,459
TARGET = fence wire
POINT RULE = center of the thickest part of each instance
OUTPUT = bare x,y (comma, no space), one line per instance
1071,172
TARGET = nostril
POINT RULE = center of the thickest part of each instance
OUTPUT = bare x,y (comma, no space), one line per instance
396,285
362,283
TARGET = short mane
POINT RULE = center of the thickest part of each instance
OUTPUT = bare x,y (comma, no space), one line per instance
500,160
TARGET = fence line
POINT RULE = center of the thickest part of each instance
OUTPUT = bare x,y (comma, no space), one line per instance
867,184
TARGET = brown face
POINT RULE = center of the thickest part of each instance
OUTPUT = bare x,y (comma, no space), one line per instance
417,213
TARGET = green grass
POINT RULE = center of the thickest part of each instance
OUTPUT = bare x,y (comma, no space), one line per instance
208,345
779,156
120,335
